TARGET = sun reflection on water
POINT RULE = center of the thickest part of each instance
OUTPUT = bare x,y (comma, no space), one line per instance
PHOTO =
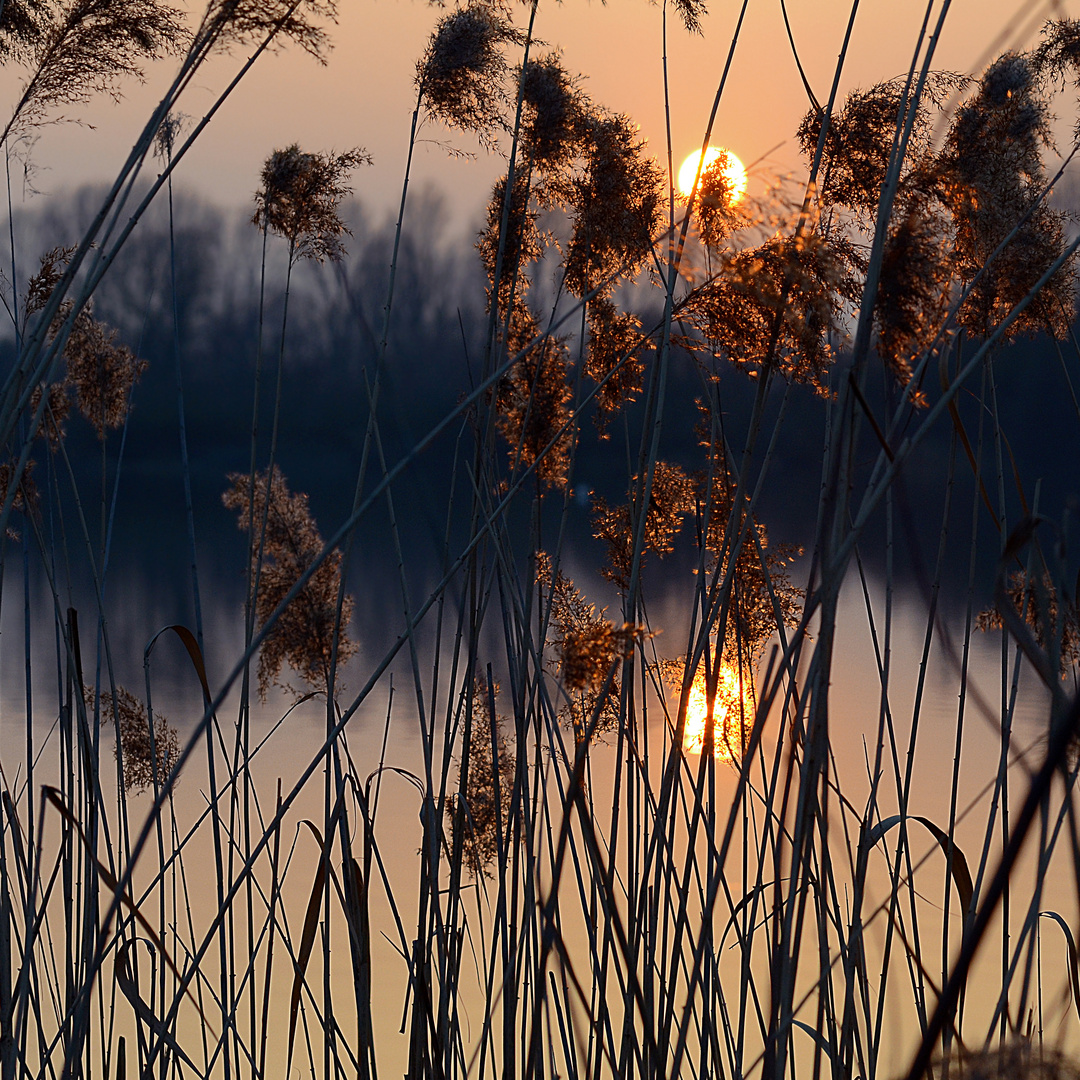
733,711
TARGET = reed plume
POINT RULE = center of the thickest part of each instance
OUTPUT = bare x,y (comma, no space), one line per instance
1054,619
992,181
245,22
534,404
715,207
85,47
147,757
615,202
303,636
300,196
460,78
22,23
586,645
100,372
26,494
485,801
554,110
615,359
671,498
779,305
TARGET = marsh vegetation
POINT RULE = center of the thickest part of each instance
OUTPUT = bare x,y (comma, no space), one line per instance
598,786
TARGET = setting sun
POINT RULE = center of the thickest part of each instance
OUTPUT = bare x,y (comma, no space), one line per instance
730,721
734,171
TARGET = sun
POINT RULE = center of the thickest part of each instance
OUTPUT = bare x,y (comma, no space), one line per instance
731,716
734,171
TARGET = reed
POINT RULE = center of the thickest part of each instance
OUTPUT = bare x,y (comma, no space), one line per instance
626,818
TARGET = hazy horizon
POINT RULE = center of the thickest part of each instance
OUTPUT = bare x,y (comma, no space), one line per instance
363,96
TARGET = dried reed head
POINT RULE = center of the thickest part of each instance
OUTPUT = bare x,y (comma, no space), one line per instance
486,798
84,47
992,178
100,373
553,112
146,756
763,598
523,243
56,412
1057,57
242,22
460,77
717,214
857,147
299,199
777,305
26,494
168,134
860,141
691,11
534,405
22,23
616,203
42,284
586,646
1018,1059
913,291
671,498
1056,60
1054,620
762,593
303,635
614,358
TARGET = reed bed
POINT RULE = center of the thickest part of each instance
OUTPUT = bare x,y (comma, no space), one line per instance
621,806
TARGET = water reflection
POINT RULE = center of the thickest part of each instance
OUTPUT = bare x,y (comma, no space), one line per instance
146,589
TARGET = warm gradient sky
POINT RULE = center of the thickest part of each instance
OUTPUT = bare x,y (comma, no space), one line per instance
364,94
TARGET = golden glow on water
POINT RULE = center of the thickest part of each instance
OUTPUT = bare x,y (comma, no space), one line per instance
735,172
730,722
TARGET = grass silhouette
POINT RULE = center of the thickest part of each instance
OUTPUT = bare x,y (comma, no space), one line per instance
600,889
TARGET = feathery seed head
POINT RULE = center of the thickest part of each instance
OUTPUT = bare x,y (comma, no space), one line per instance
586,645
691,11
616,203
299,199
460,76
26,494
243,22
41,285
523,242
304,634
56,412
671,498
88,46
614,358
717,215
1008,75
778,304
101,373
1053,619
1017,1059
22,23
991,180
147,756
486,797
913,291
167,135
554,108
860,137
534,412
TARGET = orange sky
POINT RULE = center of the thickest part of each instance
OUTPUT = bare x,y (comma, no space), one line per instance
364,94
